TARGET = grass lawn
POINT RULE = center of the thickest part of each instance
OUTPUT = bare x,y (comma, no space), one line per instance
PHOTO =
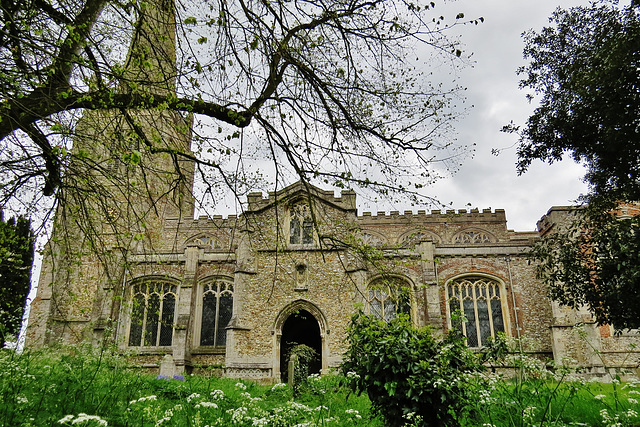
85,388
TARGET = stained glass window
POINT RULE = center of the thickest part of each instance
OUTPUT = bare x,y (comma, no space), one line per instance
300,225
479,299
386,298
217,309
152,314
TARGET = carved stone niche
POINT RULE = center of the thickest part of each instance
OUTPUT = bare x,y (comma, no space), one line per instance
301,275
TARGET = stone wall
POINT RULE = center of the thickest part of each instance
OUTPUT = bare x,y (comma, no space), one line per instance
328,276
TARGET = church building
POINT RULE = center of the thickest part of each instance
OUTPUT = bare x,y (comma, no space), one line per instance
236,293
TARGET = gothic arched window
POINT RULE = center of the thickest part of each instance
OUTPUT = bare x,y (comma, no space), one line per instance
388,297
480,300
300,225
217,309
152,314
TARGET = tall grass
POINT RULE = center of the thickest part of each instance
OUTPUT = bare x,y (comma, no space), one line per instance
79,386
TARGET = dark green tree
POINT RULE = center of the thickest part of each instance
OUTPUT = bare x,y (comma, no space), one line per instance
586,69
16,258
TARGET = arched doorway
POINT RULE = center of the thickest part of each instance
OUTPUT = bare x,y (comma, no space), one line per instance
301,327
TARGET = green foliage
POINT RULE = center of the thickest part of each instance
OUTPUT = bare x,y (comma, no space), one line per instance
82,385
303,357
538,393
594,262
86,386
16,257
408,373
585,66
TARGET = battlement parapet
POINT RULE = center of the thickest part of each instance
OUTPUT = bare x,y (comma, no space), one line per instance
450,215
203,221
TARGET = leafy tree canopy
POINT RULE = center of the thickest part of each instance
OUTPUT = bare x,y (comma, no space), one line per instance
16,257
586,68
326,90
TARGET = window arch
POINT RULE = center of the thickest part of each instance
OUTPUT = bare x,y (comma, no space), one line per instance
300,225
473,237
387,297
216,299
482,302
152,314
412,238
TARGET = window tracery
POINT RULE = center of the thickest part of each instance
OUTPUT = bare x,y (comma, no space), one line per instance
481,301
386,298
372,240
217,310
208,242
473,237
300,225
152,314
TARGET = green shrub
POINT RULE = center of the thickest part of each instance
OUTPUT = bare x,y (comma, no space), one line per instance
303,356
409,375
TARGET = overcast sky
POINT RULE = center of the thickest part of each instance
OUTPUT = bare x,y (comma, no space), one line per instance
486,180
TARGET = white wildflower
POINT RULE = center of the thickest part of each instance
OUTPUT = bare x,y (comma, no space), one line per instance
352,375
238,414
207,405
162,420
353,412
633,401
82,418
217,394
529,412
143,399
599,396
193,396
279,386
66,419
241,386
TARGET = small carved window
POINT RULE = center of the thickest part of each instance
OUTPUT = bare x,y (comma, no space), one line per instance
372,240
411,240
480,300
386,298
207,242
152,314
473,237
217,310
300,225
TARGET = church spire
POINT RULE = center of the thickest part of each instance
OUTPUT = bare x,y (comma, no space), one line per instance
151,61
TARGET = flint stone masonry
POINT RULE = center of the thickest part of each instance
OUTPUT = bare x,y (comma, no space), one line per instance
231,296
275,281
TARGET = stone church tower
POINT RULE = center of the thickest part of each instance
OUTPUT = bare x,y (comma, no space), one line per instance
127,261
123,185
